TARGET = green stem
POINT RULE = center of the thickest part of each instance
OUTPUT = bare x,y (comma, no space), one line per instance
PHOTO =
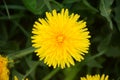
51,74
58,4
48,4
95,56
99,54
14,7
21,28
32,69
6,9
22,53
88,5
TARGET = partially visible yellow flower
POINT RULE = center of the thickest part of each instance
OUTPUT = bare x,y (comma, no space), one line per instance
25,79
4,71
60,38
16,78
95,77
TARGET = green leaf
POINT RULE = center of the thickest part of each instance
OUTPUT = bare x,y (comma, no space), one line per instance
70,73
113,52
16,73
9,46
32,67
56,5
105,9
70,1
117,13
83,8
35,6
90,6
15,7
93,63
51,74
21,53
48,4
104,44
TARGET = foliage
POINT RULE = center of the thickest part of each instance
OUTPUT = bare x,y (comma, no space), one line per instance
103,21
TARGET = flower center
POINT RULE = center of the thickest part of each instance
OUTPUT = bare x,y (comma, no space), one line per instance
60,38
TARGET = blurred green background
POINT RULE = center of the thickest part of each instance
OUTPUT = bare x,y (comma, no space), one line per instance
103,21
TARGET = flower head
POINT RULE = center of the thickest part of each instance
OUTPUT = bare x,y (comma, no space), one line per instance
60,38
95,77
4,72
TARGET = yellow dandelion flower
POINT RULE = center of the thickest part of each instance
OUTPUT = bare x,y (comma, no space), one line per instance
4,72
95,77
60,38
